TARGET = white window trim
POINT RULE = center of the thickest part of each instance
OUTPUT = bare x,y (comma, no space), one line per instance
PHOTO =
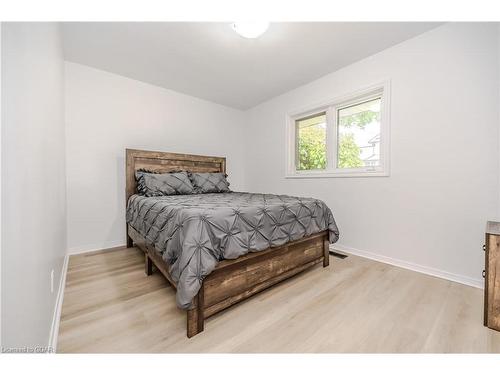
330,107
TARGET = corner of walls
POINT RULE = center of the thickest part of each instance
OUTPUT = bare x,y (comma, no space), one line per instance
106,113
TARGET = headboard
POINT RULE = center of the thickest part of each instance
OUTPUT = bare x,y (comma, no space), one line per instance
162,162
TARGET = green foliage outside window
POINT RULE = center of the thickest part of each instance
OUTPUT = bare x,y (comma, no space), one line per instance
360,119
312,142
349,152
312,148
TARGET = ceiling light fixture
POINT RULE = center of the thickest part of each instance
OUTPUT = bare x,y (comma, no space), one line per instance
250,29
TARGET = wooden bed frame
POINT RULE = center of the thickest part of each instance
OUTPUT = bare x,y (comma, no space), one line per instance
231,281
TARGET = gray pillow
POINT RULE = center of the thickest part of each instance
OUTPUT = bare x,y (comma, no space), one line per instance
157,184
209,182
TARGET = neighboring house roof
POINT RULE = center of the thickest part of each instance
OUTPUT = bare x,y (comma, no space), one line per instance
372,157
375,139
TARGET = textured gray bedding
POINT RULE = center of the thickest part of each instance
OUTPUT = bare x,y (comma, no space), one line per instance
194,232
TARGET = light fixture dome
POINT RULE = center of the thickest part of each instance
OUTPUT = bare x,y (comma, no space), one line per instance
250,29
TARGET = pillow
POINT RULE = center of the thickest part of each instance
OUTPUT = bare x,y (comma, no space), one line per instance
209,182
157,184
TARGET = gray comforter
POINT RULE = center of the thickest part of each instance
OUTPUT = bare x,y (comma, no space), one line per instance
194,232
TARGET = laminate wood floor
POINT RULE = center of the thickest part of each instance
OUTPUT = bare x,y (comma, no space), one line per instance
355,305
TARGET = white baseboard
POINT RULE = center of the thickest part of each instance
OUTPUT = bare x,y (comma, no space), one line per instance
95,247
477,283
54,331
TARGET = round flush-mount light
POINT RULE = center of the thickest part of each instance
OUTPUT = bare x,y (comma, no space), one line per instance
250,30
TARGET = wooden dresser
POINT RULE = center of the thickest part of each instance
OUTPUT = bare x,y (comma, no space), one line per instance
492,276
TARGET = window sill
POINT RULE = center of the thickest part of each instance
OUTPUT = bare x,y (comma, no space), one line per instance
336,174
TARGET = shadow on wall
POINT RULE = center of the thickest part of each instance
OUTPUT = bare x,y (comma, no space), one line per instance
118,224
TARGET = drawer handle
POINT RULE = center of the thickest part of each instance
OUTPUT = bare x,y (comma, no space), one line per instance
484,247
484,274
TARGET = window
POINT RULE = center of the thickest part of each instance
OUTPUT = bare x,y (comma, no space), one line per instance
346,137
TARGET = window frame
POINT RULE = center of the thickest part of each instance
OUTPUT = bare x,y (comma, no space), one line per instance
331,108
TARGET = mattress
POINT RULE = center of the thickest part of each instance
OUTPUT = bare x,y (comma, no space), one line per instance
192,233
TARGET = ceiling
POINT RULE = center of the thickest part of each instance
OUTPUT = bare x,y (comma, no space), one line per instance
212,62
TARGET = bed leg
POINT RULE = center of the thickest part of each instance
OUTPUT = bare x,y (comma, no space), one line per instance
148,265
195,318
326,252
130,243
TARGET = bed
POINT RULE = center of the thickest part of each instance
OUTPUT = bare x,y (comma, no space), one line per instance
219,249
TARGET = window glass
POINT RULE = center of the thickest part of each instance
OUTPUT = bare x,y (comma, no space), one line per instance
359,135
311,142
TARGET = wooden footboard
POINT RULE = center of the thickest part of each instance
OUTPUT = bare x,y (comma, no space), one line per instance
235,280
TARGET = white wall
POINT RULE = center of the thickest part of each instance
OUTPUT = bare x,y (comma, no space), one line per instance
33,180
443,186
106,113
